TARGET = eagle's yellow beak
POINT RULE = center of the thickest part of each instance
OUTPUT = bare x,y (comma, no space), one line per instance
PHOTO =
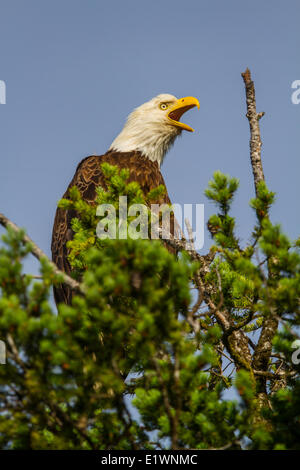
181,106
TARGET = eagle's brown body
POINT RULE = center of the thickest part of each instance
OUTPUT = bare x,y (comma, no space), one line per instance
87,177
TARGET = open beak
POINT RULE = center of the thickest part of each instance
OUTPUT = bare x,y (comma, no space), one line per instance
179,108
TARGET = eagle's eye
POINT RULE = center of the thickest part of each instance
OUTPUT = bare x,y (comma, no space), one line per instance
163,106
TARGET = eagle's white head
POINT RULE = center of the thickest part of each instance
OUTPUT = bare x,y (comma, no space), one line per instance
152,127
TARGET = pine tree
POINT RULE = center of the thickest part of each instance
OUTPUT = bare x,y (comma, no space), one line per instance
145,353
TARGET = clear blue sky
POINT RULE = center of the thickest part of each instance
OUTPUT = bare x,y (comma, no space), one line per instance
74,70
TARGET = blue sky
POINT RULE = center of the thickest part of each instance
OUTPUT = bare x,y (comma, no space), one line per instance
74,70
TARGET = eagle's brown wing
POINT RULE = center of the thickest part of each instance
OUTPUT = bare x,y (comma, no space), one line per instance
87,177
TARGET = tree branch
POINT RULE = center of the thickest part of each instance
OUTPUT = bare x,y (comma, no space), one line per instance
255,140
39,254
263,349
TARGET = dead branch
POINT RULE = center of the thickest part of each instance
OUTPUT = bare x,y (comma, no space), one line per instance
263,349
255,140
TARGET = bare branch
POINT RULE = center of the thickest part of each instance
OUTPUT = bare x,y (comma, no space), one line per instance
15,351
264,346
255,140
274,375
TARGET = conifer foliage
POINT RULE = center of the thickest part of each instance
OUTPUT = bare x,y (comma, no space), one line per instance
143,357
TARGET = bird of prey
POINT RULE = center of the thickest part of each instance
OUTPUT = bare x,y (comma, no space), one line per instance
141,146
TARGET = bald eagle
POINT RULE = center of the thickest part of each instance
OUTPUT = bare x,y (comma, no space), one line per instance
141,146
